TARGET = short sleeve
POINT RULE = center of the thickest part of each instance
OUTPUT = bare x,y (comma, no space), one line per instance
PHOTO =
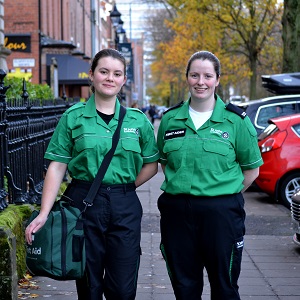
60,146
247,150
148,143
160,143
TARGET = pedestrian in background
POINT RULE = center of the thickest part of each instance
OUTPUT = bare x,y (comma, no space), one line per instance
134,105
152,113
81,140
209,155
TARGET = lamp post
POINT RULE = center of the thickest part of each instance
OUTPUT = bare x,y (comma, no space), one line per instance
121,44
121,33
115,17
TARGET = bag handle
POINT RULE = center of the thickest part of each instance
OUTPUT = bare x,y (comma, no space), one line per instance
88,201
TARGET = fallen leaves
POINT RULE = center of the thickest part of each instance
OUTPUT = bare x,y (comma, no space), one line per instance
27,283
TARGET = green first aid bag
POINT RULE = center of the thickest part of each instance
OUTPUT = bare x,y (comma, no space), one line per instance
58,249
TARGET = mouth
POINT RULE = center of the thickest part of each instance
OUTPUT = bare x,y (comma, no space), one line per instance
198,89
108,86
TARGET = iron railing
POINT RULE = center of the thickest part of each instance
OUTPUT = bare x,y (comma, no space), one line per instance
26,127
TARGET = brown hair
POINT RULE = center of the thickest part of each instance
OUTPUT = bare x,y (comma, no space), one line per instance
107,53
205,55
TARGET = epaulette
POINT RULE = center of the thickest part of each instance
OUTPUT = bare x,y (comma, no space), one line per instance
173,107
231,107
76,106
135,109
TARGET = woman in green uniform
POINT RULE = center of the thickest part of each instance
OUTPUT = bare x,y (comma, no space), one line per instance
209,155
79,143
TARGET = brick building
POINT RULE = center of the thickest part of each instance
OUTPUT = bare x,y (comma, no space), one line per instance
53,41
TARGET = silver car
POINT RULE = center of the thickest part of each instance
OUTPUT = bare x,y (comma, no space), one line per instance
295,208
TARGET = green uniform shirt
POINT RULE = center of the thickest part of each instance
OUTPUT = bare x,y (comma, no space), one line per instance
208,161
82,138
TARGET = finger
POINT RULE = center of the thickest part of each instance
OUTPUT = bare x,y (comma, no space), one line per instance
28,233
28,239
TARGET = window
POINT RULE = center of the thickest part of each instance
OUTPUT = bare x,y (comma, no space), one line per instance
296,129
273,111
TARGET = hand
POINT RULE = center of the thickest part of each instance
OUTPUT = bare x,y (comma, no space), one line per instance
33,227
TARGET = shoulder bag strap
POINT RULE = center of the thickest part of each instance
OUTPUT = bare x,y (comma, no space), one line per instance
88,201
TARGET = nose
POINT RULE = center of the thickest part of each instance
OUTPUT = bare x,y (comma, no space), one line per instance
201,79
110,76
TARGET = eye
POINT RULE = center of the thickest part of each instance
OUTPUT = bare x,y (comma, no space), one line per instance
118,74
193,75
103,71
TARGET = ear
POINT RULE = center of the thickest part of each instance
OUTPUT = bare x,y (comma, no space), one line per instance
218,81
91,75
125,79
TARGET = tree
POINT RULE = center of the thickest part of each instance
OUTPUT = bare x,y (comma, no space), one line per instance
291,36
160,88
249,26
172,52
240,33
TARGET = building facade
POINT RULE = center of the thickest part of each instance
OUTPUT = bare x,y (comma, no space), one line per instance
54,41
135,14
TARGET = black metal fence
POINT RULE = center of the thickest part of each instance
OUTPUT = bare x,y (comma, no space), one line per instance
26,127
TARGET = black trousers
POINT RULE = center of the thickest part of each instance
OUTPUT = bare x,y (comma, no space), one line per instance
198,233
113,233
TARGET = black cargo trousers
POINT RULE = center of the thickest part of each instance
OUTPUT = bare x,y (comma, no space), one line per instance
198,233
112,229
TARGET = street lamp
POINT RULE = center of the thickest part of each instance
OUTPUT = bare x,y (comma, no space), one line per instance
121,34
117,23
121,44
115,16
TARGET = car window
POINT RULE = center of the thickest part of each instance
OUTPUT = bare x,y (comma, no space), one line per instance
268,131
273,111
296,129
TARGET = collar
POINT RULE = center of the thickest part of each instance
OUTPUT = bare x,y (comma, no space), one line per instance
217,115
90,108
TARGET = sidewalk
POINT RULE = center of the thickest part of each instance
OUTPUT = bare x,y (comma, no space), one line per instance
270,267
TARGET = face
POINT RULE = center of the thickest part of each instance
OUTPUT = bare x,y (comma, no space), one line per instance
108,77
202,80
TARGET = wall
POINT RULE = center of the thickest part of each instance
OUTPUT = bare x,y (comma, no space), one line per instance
21,17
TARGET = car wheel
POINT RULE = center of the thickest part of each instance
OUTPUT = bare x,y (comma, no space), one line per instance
296,239
288,188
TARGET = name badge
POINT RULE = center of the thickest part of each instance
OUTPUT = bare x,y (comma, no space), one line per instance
171,134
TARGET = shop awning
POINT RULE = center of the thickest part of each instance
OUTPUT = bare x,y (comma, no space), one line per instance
71,70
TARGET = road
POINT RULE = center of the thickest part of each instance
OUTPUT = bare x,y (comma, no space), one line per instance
264,216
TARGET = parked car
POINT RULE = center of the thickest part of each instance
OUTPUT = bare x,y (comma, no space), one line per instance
237,99
260,111
295,208
279,143
160,110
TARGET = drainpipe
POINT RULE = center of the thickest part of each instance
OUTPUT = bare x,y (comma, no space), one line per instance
93,27
40,46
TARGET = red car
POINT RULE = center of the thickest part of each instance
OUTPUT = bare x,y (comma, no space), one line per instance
279,143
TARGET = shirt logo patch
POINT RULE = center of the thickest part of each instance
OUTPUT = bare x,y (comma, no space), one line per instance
223,134
171,134
216,131
132,130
